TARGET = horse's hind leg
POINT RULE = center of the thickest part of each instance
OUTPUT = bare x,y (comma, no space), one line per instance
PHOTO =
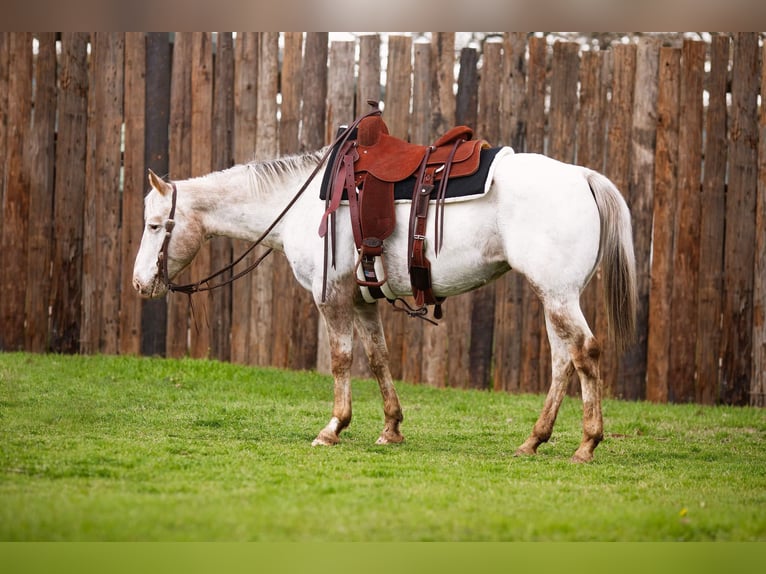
561,364
572,346
370,330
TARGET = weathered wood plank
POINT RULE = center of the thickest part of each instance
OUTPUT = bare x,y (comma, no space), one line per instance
443,78
665,183
458,310
69,198
433,339
245,124
532,374
562,119
41,181
368,82
4,71
158,63
758,380
314,91
483,300
305,318
133,190
14,239
179,167
739,252
591,130
640,192
100,305
620,115
712,226
683,313
223,157
314,112
266,148
509,288
201,164
397,118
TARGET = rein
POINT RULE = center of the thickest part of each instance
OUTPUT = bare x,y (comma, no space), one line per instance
203,284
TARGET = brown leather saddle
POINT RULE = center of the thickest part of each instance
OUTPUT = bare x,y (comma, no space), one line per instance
364,171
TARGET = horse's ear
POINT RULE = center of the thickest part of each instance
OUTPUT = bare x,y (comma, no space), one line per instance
158,183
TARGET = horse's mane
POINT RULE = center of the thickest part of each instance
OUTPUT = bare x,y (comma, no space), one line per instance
274,171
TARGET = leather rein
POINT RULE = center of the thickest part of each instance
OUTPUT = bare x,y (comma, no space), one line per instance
204,284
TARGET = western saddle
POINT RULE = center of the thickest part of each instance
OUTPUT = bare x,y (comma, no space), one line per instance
364,170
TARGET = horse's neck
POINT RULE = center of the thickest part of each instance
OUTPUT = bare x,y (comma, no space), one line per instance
241,204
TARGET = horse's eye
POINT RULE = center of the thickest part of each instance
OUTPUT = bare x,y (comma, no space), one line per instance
154,226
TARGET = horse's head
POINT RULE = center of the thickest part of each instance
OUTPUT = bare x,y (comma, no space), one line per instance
172,236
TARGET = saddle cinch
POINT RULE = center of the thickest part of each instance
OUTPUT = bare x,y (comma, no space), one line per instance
365,170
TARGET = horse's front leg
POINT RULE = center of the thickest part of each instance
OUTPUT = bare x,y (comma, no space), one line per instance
338,316
370,330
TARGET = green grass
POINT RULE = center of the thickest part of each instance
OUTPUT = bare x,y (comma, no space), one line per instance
117,448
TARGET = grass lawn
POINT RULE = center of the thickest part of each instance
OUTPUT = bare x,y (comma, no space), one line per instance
127,449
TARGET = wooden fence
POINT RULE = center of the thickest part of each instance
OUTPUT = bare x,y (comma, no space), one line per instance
676,127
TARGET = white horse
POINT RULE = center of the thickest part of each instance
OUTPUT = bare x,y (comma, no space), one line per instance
551,221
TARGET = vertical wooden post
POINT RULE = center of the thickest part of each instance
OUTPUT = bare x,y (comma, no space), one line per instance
618,169
740,239
69,196
482,319
15,206
640,194
459,309
154,313
397,117
305,318
683,313
201,134
563,115
340,87
101,277
443,59
223,157
713,213
340,111
179,167
509,288
591,129
245,125
266,148
313,115
368,82
562,125
423,349
41,196
4,72
133,189
531,375
758,380
665,181
314,91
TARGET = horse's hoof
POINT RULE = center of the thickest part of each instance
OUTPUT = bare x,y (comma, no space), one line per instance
582,457
325,438
529,448
524,451
389,438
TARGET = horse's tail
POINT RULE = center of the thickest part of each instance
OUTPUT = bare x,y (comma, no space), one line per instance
618,260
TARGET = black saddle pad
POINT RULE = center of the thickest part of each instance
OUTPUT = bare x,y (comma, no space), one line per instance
456,187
